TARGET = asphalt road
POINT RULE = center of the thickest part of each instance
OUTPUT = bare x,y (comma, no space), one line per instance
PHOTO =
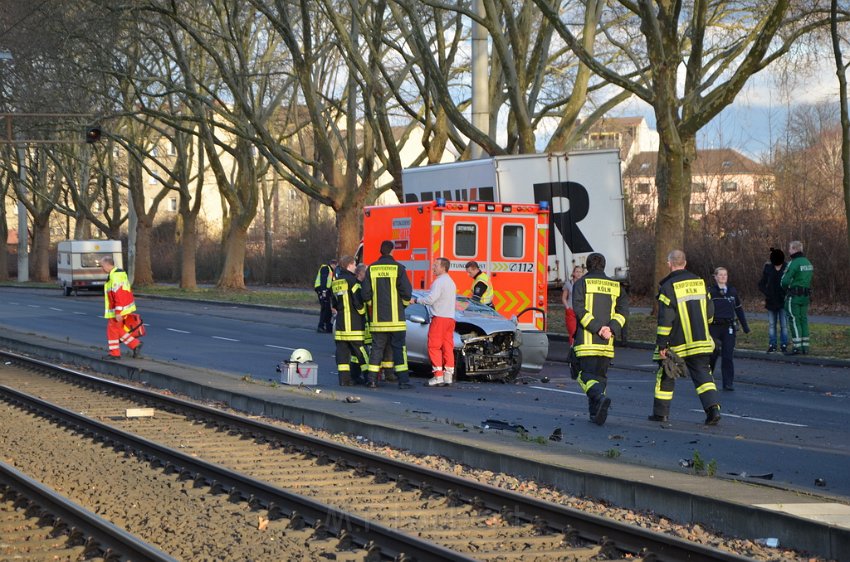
784,419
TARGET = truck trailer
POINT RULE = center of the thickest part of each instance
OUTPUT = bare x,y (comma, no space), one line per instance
583,190
78,263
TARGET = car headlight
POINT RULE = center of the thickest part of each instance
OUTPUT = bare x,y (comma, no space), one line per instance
518,338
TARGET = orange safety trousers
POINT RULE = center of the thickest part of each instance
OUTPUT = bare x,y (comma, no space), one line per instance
116,335
441,345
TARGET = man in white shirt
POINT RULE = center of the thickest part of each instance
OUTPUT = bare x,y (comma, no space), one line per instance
441,300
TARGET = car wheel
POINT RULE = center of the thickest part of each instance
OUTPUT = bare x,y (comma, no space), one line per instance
460,366
516,365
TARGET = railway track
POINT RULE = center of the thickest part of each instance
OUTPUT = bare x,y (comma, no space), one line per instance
36,523
387,508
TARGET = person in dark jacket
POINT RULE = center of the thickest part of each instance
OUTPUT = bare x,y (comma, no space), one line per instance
322,286
350,332
601,308
386,288
684,312
774,300
728,311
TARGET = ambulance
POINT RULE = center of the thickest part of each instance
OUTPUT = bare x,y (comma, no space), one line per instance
78,263
509,241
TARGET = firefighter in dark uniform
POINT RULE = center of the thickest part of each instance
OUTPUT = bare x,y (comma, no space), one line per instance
797,282
728,311
482,287
684,312
322,286
601,308
387,289
350,324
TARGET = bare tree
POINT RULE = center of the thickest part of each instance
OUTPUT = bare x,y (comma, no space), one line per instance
719,45
533,80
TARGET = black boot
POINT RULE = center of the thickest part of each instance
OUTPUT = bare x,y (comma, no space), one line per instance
601,413
712,415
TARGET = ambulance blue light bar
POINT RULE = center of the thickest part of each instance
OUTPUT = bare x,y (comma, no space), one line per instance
441,201
544,205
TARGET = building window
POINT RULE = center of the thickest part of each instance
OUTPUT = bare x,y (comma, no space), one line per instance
152,180
512,241
465,240
729,186
697,187
697,208
642,187
643,210
293,194
154,152
731,206
644,166
172,149
172,204
727,163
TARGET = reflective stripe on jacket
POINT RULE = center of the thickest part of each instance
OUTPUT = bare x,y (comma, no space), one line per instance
346,298
598,301
482,288
684,312
324,277
117,294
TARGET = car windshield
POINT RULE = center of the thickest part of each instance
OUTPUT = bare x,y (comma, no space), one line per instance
465,304
462,305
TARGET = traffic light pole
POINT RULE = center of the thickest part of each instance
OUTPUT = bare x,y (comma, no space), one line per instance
92,135
23,232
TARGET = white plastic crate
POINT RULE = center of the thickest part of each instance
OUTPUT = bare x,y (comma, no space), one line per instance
294,373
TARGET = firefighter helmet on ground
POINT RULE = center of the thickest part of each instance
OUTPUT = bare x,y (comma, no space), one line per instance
300,356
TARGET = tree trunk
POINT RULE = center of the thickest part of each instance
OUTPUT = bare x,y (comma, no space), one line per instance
233,270
40,252
670,222
348,224
841,72
188,244
4,248
268,244
143,273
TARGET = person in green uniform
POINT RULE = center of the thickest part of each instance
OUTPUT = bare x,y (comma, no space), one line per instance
797,282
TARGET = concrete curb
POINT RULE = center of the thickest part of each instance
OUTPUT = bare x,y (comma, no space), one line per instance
678,496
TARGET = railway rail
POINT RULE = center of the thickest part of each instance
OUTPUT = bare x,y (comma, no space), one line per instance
36,523
390,508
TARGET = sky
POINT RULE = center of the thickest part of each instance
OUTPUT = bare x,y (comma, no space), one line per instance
757,117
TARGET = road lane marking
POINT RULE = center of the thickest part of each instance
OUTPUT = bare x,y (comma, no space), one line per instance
222,338
777,422
178,331
56,309
80,313
34,306
281,347
558,390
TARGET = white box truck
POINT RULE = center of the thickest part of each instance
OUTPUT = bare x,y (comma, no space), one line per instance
78,263
584,190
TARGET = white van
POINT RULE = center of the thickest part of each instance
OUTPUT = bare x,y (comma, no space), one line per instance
78,263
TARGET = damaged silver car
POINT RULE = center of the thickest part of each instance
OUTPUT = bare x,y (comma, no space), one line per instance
488,346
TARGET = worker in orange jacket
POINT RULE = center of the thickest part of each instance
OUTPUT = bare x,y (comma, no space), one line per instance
120,311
